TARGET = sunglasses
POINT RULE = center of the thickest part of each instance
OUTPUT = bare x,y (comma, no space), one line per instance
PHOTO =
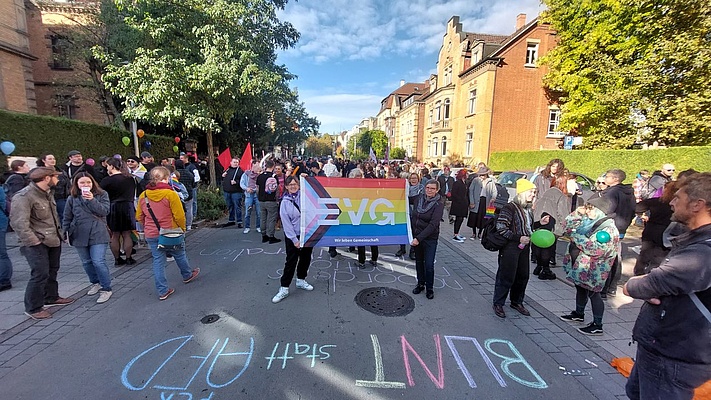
671,170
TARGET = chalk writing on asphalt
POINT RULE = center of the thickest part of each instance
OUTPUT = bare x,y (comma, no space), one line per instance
171,367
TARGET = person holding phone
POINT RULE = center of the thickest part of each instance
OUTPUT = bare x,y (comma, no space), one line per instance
85,228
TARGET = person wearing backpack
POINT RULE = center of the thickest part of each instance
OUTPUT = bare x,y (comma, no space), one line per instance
188,180
426,215
16,181
515,223
658,179
267,187
593,247
482,191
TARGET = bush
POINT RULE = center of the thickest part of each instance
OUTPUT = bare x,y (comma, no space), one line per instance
211,203
594,162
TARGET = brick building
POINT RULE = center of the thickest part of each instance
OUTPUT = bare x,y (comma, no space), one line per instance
17,90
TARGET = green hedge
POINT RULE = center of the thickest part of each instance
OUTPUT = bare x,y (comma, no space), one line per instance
594,162
34,135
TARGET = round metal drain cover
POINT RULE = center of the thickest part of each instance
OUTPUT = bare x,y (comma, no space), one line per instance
385,301
208,319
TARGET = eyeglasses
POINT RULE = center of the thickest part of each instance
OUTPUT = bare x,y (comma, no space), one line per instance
600,183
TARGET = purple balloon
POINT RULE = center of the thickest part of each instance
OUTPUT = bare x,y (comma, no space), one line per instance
90,161
117,156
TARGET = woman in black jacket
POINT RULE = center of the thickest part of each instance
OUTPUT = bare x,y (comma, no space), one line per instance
460,203
656,213
425,218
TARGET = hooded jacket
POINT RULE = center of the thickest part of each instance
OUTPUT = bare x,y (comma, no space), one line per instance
622,204
166,206
291,216
676,329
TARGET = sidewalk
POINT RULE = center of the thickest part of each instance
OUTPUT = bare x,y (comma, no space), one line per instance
557,297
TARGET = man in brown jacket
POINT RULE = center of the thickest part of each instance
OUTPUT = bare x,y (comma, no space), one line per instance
34,217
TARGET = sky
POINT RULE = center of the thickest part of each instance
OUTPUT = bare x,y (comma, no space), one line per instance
353,53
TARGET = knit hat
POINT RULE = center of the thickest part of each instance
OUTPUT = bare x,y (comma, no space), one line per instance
523,185
600,203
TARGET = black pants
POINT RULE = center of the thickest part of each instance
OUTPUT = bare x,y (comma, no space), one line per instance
650,256
42,287
614,277
512,275
543,257
374,252
581,300
296,259
457,224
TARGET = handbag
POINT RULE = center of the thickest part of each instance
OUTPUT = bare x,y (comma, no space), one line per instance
168,238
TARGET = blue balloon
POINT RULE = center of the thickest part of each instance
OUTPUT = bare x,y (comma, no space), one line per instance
603,237
147,144
7,148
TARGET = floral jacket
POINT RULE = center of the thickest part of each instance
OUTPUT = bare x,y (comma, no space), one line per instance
592,266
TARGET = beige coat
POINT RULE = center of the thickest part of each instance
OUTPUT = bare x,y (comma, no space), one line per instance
34,217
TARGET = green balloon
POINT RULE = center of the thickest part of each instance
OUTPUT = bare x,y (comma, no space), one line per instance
126,140
602,237
175,149
543,238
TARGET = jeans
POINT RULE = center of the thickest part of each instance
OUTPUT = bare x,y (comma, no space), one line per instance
424,262
270,212
42,288
251,201
160,262
512,275
581,300
296,259
188,214
234,206
93,259
660,378
5,262
195,191
60,207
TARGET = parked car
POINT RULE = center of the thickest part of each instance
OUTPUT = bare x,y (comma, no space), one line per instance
508,180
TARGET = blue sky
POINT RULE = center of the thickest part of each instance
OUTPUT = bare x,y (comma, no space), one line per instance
353,53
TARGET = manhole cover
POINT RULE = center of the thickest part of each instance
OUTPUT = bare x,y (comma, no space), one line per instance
208,319
385,301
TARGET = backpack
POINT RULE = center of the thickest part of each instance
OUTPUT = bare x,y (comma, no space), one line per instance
271,185
491,239
502,196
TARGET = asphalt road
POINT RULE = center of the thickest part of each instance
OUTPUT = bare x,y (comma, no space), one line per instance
312,345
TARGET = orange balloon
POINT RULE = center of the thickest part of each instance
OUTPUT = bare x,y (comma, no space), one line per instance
140,133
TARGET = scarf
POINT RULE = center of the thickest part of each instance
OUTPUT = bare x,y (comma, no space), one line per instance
424,205
416,189
587,222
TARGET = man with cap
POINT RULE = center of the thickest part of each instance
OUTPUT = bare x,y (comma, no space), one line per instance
135,167
34,218
76,164
147,161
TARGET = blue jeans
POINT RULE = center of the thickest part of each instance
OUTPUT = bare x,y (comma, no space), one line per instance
93,259
251,201
424,262
234,205
60,207
5,263
195,190
657,377
160,262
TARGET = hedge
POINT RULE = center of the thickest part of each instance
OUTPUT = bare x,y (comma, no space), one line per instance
595,162
35,134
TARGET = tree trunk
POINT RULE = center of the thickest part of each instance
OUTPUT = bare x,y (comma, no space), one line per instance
211,161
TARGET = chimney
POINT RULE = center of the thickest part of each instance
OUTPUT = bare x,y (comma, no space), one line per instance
402,82
520,21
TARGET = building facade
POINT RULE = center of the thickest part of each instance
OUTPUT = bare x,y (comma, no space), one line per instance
17,90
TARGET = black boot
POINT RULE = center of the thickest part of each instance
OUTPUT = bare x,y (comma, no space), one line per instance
537,270
412,253
546,275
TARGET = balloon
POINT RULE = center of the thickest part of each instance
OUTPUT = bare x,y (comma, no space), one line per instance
175,149
177,139
117,156
90,161
126,140
147,144
602,237
543,238
7,148
140,133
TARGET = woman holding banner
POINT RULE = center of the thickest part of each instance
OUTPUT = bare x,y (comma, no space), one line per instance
425,217
298,258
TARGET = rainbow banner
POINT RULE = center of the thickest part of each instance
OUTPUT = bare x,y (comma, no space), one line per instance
354,212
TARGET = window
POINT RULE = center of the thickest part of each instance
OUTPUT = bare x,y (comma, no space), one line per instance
431,114
446,108
66,107
472,101
475,57
447,75
553,122
429,148
468,144
531,54
444,145
435,147
438,111
60,53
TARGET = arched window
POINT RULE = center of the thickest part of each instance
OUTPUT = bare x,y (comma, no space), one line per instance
438,111
446,108
435,147
444,145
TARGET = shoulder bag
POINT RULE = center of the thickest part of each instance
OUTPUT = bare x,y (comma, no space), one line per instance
168,238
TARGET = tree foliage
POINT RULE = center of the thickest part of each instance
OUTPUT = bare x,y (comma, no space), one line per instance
629,70
317,146
375,139
397,153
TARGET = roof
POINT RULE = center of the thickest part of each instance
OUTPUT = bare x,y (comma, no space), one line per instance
485,37
401,93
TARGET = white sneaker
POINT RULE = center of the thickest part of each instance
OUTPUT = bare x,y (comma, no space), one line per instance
460,237
458,240
94,289
281,295
104,296
259,230
246,230
302,284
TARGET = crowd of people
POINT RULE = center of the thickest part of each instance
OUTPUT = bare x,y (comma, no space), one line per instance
95,208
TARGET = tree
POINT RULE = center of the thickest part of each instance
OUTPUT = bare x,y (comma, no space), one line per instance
200,62
317,146
375,139
632,70
397,153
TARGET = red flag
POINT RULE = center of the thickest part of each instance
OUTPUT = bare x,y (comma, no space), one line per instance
225,158
246,161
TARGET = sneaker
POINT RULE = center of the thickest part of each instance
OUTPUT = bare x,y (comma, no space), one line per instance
239,225
430,294
547,275
472,237
593,329
170,258
229,223
104,296
273,240
333,254
400,253
265,238
61,301
5,287
39,315
193,275
537,270
302,284
281,295
166,294
360,265
130,261
458,240
373,263
460,237
259,230
418,289
94,289
119,261
246,230
573,317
